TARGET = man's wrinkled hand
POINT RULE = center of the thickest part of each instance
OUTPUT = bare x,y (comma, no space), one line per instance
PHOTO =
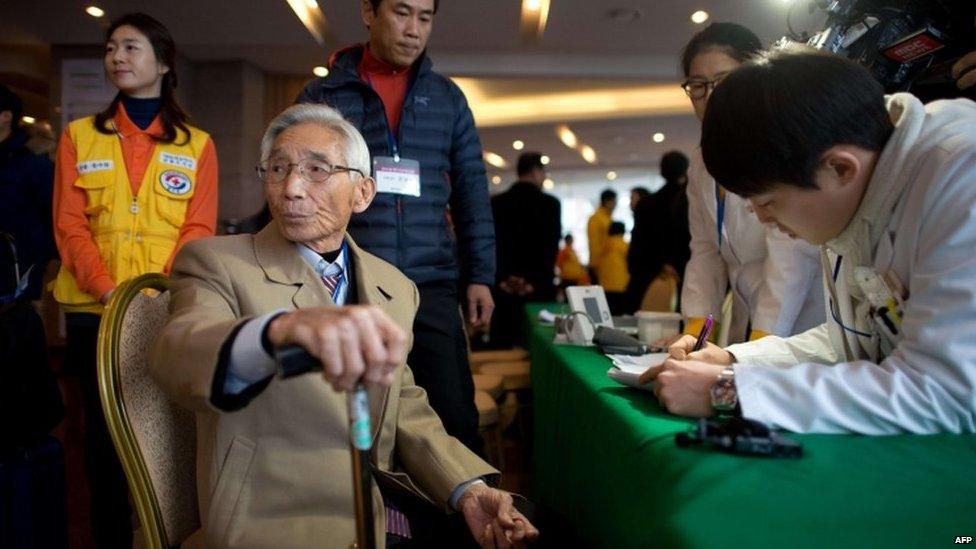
493,519
352,342
683,387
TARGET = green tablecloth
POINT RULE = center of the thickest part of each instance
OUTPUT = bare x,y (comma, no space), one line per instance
604,458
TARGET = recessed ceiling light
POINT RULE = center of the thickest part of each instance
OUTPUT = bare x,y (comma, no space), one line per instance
548,184
496,180
699,17
588,154
544,159
320,71
94,11
518,145
567,136
494,160
28,119
658,137
611,175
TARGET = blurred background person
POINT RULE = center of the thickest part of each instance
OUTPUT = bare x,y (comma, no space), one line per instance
26,182
775,280
133,184
612,270
598,230
571,270
527,229
659,240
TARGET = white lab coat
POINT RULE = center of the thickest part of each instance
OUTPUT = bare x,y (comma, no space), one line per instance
775,280
917,220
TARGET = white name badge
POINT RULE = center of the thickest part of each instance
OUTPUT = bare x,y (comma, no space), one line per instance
397,175
95,166
178,160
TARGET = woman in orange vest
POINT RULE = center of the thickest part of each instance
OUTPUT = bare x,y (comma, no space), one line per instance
132,185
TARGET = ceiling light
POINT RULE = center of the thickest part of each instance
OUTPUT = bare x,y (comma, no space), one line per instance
611,175
658,137
518,145
495,160
548,184
532,24
567,136
699,17
94,11
310,14
320,71
544,159
496,180
28,119
588,154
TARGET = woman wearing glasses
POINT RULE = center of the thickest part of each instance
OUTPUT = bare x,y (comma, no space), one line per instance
774,279
132,185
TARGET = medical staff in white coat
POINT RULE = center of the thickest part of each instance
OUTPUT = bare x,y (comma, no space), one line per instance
887,186
775,280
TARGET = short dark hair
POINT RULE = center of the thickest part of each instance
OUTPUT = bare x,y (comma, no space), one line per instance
735,40
616,228
527,162
376,4
641,192
607,195
674,164
10,101
771,120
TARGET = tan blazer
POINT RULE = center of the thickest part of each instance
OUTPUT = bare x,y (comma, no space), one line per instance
277,473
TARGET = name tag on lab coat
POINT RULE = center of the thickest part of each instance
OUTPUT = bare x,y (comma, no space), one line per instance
397,175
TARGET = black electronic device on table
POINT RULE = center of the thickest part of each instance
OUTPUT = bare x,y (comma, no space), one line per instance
737,435
612,341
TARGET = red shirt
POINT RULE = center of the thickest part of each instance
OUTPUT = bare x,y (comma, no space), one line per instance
389,82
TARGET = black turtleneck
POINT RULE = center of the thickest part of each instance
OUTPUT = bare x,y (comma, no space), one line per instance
141,110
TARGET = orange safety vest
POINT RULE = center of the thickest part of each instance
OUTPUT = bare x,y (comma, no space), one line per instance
134,234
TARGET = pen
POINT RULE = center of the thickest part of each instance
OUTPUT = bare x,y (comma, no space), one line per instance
705,332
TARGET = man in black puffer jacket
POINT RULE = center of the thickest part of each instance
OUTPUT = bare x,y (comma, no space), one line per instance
437,228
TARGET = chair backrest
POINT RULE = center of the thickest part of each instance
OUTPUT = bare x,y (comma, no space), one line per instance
661,295
155,439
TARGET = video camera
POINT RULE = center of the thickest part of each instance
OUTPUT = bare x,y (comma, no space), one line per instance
908,45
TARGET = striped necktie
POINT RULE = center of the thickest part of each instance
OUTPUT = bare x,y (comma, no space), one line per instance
332,283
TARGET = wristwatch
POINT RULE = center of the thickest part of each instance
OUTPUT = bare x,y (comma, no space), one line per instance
724,397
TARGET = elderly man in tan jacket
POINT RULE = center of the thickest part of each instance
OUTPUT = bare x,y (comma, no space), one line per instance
273,459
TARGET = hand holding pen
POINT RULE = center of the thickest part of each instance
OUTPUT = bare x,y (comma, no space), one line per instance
689,347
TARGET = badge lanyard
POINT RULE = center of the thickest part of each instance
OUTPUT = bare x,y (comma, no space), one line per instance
720,211
391,139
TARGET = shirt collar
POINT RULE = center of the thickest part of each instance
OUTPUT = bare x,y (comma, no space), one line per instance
127,128
320,265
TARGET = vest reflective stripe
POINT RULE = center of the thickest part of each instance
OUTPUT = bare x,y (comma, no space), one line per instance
134,234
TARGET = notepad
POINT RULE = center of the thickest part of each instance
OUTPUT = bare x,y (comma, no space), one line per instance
627,369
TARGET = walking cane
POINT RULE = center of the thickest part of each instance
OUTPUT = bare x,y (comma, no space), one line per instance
294,360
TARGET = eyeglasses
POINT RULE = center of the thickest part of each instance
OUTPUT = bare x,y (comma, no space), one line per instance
699,89
313,171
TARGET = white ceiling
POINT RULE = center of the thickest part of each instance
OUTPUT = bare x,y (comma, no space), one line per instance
471,38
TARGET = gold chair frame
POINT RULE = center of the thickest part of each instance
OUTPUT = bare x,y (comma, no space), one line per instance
116,417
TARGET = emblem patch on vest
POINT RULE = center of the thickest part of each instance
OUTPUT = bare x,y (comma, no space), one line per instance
95,166
178,160
175,182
